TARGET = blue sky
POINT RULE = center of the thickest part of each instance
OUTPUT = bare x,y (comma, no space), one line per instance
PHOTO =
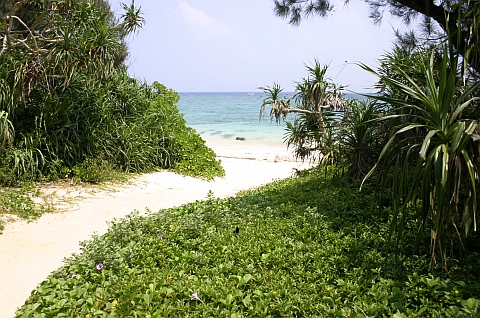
238,45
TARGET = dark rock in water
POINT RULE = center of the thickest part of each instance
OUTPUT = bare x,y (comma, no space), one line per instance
240,138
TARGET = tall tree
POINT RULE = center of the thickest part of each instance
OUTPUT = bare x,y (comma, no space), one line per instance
49,41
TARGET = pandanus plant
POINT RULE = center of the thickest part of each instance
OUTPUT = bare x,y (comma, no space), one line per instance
313,132
444,176
361,137
55,58
279,107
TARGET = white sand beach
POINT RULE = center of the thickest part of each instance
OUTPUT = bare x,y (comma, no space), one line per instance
30,251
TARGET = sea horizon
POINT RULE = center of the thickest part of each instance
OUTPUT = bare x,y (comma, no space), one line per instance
226,117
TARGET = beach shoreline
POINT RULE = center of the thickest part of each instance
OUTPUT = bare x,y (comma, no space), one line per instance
273,150
31,251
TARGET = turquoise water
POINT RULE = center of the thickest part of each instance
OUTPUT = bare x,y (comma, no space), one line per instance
222,117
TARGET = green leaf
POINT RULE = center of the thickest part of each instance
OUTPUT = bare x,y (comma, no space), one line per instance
229,299
471,303
247,300
148,298
246,278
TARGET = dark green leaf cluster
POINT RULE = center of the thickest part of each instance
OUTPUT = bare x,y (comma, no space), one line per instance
121,125
296,10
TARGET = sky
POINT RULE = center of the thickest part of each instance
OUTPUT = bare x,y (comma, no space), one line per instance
239,45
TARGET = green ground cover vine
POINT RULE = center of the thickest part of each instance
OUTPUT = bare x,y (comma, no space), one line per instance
302,247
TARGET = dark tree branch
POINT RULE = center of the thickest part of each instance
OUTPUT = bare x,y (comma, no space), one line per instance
446,14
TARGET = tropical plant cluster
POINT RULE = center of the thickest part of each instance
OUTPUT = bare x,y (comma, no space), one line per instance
327,126
68,107
417,135
311,246
307,246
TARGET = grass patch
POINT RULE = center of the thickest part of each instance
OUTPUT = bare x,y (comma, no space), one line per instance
21,203
301,247
30,200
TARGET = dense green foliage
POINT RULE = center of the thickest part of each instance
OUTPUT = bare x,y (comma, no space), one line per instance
432,152
68,107
420,130
121,123
360,138
301,247
327,127
309,246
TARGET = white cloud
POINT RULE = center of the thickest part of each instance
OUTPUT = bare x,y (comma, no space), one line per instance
202,21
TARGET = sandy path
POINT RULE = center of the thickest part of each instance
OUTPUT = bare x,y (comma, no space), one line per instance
30,251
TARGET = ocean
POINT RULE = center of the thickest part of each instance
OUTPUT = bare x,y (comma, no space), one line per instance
222,117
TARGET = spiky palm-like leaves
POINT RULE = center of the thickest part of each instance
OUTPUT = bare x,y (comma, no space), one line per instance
446,176
319,99
133,20
278,106
52,41
54,56
313,133
6,131
361,137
